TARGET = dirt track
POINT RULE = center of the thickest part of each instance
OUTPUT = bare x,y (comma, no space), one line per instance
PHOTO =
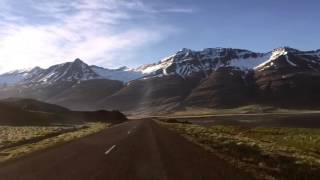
136,150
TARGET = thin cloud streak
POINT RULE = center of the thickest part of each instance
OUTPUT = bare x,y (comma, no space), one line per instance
181,10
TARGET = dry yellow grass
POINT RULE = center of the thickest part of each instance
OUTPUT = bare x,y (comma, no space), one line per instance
268,153
19,139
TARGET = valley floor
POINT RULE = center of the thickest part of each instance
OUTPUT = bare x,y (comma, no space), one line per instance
165,149
140,149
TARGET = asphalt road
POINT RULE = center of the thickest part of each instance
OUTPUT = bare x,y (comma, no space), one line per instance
136,150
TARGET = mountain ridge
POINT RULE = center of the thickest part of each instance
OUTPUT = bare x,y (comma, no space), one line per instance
213,77
206,59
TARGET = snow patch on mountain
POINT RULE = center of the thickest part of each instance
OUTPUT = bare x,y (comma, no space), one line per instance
250,63
17,76
290,62
122,74
311,53
149,69
275,54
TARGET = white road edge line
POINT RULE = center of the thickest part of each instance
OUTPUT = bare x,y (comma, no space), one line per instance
109,150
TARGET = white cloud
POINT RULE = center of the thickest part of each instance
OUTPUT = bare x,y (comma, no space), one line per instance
96,31
180,10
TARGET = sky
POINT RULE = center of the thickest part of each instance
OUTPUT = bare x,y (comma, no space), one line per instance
114,33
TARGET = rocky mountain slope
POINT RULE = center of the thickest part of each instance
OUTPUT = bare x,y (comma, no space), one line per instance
213,77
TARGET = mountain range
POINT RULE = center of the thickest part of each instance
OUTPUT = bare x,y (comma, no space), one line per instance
210,78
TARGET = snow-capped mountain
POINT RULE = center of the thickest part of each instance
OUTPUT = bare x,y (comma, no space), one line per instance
225,78
67,72
70,71
293,59
213,77
183,63
187,62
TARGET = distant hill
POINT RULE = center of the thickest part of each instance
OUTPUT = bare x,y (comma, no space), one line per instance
18,111
33,105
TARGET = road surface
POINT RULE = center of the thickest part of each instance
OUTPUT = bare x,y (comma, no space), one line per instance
136,150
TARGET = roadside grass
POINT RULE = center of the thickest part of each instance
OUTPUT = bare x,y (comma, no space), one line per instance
249,109
19,141
15,135
267,153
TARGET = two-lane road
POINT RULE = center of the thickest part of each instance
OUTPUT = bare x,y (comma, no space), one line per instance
135,150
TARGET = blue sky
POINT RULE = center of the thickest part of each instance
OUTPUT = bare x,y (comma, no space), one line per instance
114,33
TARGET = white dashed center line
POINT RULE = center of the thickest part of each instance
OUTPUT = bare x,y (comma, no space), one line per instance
109,150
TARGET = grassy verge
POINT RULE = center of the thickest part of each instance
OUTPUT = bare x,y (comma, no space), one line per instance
267,153
18,141
249,109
